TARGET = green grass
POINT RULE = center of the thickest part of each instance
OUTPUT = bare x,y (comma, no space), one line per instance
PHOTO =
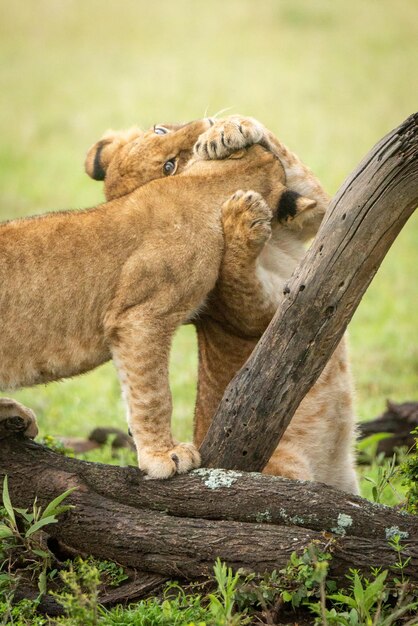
330,78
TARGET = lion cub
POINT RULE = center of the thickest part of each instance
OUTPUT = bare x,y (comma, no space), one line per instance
115,281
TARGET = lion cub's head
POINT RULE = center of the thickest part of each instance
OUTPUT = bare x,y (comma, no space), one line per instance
126,160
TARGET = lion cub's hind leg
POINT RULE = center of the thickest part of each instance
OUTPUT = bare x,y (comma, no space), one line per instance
10,409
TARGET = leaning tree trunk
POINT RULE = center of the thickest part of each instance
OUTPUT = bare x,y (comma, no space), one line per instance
178,527
362,222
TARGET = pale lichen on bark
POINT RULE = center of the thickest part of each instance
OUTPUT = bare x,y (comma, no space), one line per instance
217,478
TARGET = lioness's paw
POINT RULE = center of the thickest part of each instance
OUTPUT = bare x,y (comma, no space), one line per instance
178,460
246,217
227,136
18,417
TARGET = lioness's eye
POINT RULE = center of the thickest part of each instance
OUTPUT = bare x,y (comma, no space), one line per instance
159,130
169,167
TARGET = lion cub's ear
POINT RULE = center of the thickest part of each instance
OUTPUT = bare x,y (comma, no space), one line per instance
103,151
299,214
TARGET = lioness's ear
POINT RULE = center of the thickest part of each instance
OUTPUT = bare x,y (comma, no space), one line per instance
102,152
300,214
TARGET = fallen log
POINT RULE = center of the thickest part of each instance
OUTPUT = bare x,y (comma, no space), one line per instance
361,223
178,527
399,420
97,438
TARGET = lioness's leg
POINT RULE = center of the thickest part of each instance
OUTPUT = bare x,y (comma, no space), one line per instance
289,461
11,408
221,354
140,348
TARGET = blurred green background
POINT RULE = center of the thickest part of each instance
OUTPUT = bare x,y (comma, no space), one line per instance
330,78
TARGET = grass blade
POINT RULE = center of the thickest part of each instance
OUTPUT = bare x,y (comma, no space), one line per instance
7,503
52,507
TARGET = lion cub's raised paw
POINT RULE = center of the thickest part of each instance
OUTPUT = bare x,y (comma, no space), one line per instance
163,464
227,136
246,218
26,420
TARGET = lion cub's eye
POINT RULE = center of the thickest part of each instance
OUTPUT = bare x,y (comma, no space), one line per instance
169,167
160,130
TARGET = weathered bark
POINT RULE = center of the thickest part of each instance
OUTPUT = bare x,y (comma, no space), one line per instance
399,420
143,585
178,527
363,220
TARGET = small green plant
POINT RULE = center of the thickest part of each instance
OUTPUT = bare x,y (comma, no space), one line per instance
409,472
177,608
21,613
386,473
56,445
305,575
79,598
111,573
303,585
366,603
23,548
401,564
301,582
222,603
361,605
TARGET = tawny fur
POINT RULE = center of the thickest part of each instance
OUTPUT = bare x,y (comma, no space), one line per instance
318,443
115,281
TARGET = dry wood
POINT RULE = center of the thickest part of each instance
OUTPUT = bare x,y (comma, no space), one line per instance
362,222
143,585
99,437
399,420
178,527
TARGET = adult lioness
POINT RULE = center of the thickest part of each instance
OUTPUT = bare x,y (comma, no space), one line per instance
318,443
78,288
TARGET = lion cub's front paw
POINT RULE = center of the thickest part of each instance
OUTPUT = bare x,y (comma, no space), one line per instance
178,460
246,217
12,411
227,136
